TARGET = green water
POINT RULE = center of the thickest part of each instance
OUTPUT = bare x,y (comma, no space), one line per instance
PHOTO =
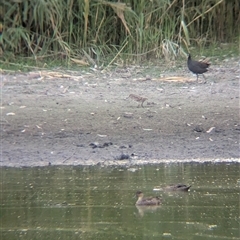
99,203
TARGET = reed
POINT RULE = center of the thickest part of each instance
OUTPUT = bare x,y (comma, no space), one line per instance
102,32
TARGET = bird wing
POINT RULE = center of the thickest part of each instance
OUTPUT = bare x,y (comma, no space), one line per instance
151,200
197,67
204,64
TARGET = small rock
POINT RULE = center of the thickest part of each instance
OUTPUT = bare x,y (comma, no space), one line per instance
80,145
106,144
121,147
198,129
94,144
122,157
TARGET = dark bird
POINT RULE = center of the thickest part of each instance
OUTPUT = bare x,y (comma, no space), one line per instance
149,201
197,67
177,187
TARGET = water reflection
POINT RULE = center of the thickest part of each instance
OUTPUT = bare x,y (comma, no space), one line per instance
98,203
146,209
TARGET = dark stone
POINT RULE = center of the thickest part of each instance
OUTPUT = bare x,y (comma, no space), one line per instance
198,129
122,157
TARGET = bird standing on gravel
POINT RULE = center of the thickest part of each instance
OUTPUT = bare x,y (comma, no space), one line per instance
197,67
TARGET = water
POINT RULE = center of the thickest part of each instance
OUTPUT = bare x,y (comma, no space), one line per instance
99,203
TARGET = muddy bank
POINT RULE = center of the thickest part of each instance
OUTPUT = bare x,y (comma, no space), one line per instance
86,117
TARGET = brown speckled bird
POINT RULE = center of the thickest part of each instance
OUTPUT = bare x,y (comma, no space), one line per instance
149,201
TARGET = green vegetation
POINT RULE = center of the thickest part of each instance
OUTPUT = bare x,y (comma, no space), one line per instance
98,32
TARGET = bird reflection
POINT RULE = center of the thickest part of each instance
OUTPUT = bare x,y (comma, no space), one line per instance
144,209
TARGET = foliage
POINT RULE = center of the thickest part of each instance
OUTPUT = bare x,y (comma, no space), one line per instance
100,32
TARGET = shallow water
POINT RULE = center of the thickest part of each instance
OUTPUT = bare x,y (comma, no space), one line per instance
99,203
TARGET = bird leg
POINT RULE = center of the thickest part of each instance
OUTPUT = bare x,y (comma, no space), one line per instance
197,77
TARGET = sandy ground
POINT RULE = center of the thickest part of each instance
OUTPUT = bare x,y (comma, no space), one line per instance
86,117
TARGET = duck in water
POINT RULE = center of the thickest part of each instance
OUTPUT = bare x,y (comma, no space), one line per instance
148,201
177,187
